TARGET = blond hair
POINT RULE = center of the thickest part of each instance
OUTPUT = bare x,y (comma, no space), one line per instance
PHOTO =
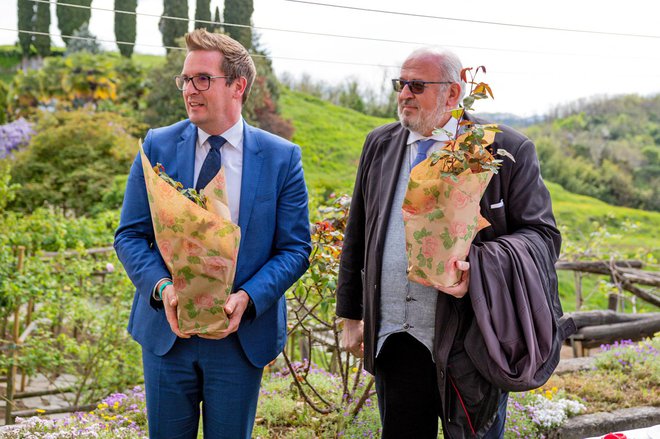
236,60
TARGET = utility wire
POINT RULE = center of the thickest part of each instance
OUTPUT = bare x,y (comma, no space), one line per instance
254,55
466,20
332,35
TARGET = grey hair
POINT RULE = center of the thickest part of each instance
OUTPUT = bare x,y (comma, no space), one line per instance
447,61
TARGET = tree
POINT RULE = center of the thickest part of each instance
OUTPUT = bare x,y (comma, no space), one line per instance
71,18
125,26
25,17
172,28
217,20
203,13
42,25
239,12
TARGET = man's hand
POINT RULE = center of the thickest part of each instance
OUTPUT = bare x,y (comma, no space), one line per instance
170,302
460,288
234,308
352,337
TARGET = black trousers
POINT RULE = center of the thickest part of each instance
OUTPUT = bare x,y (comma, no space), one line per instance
407,388
408,397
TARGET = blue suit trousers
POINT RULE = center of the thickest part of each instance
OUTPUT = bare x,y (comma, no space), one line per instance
213,374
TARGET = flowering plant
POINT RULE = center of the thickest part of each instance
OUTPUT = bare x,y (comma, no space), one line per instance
119,416
468,150
441,210
14,135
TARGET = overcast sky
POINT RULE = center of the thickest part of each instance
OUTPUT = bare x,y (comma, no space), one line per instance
531,68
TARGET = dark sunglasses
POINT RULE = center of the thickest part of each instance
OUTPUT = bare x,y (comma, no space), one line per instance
416,87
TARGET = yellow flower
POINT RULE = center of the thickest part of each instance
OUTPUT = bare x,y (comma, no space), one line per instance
548,394
116,405
555,390
40,411
355,369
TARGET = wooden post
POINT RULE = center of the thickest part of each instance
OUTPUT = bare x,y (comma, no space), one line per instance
30,307
11,375
578,290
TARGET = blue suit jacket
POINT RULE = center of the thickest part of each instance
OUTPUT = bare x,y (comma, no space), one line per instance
275,239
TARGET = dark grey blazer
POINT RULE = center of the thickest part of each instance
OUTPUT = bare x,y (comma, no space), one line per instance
516,201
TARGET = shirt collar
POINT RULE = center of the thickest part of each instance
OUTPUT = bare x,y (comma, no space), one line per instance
233,136
449,126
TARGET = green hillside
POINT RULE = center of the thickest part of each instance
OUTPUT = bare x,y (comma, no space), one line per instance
331,138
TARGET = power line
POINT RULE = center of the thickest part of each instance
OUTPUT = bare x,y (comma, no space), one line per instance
332,35
254,55
465,20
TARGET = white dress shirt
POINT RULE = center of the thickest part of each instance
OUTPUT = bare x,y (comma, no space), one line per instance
232,162
440,138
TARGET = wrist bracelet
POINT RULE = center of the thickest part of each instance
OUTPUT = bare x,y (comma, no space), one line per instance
162,287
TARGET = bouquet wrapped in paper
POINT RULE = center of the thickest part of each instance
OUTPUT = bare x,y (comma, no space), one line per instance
199,244
441,215
441,208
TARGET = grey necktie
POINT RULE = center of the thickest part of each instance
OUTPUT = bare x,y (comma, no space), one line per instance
212,163
422,149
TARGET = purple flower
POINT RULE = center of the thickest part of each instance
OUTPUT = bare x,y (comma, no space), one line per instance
14,135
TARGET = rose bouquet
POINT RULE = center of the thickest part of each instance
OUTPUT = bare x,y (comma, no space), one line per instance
198,243
441,206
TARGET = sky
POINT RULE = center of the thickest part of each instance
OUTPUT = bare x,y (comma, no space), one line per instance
538,55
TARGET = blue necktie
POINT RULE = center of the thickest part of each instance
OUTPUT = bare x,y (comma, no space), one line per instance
212,163
422,148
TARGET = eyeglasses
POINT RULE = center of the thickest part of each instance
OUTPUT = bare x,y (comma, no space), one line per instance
200,82
416,87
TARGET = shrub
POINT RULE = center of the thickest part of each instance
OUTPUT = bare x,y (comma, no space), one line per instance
73,160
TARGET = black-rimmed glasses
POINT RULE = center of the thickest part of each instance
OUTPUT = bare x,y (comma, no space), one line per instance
416,86
200,82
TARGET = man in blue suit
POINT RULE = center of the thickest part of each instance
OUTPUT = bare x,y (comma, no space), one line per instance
267,199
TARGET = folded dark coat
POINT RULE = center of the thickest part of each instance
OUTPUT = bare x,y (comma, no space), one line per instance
515,338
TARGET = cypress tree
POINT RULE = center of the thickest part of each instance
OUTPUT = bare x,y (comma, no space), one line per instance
42,24
217,20
203,13
173,29
25,16
125,26
239,12
70,18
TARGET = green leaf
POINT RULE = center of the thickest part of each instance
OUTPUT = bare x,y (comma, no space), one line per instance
435,215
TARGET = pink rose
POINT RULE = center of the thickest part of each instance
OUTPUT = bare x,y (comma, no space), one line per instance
457,229
192,247
429,246
166,218
429,204
179,283
458,199
165,248
204,301
215,266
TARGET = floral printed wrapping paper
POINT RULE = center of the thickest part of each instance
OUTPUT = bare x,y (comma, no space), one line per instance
199,247
441,218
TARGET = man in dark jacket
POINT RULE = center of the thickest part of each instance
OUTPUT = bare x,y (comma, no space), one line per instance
412,336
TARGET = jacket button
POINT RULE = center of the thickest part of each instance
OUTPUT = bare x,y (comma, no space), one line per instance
442,375
408,299
406,326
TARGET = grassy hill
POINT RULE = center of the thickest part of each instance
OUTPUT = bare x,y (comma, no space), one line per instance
331,138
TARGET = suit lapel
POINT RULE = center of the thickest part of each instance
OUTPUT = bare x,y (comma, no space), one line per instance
392,152
252,161
185,156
